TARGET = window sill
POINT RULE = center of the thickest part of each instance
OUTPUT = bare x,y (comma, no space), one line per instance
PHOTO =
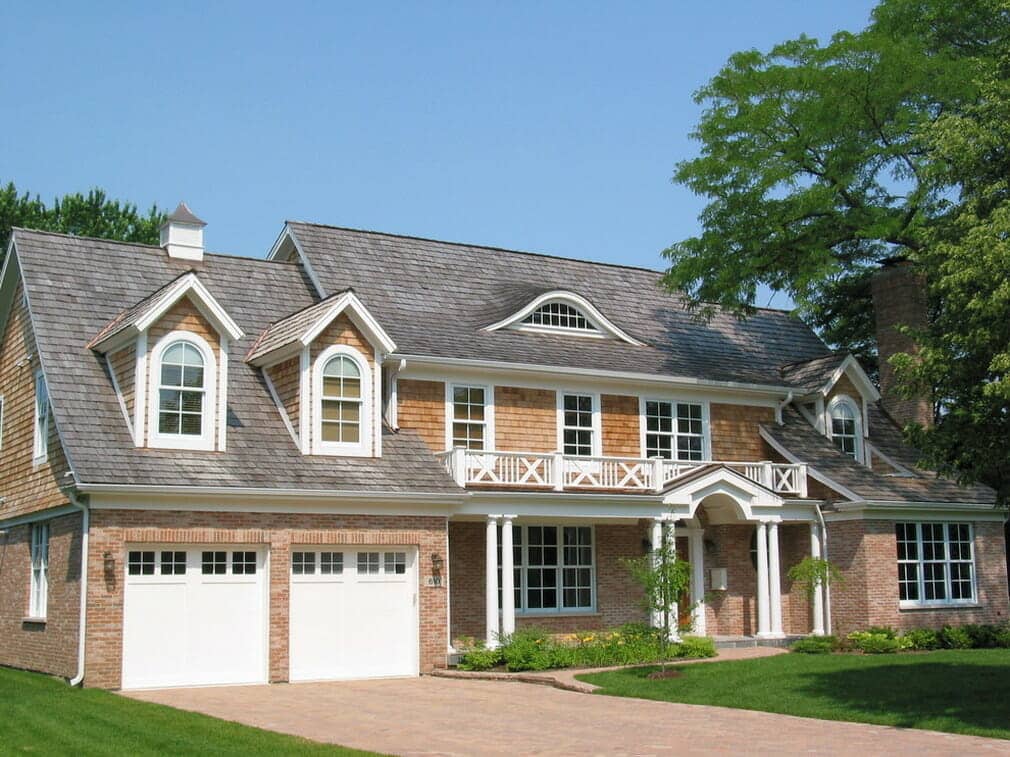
558,614
33,621
938,605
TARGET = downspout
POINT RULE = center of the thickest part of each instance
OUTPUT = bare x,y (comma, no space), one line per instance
782,406
824,556
82,624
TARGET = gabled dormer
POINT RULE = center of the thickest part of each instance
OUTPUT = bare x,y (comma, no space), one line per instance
323,367
167,357
563,312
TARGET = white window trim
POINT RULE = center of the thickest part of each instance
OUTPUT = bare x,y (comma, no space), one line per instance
40,453
1,421
706,426
912,604
520,608
205,441
38,594
597,419
606,329
363,448
857,414
489,430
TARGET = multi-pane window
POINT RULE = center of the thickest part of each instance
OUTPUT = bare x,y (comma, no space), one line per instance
341,401
214,563
395,562
844,428
140,563
368,563
38,595
559,315
243,563
173,563
554,568
41,451
577,424
331,563
674,430
303,563
181,391
469,417
936,562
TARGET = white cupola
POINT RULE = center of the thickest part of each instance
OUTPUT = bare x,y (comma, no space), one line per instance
182,234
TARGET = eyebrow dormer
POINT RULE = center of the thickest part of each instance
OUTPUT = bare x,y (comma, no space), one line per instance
563,312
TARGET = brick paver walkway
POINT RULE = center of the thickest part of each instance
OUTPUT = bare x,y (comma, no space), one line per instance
439,716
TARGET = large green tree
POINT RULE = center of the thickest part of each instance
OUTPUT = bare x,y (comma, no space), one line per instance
815,164
91,215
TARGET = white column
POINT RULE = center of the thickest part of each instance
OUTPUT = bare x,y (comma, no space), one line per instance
763,608
491,574
697,555
508,595
818,598
674,618
774,580
657,542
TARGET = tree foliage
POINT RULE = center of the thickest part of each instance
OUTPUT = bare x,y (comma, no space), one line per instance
90,215
664,579
815,161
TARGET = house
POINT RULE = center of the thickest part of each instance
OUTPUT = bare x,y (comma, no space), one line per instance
338,461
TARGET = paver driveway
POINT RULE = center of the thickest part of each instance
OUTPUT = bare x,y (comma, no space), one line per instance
428,716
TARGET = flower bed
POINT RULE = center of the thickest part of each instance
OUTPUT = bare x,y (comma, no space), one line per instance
537,649
886,640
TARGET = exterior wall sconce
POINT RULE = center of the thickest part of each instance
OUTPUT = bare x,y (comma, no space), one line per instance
437,561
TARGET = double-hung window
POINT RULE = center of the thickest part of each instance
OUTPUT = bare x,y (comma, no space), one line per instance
38,594
181,391
578,434
846,428
674,430
936,563
469,428
42,412
555,569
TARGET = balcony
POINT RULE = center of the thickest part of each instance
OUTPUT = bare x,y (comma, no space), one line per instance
554,471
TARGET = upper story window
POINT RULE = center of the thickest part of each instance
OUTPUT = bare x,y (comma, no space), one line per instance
845,426
341,401
578,425
469,421
342,395
183,392
560,315
674,430
42,412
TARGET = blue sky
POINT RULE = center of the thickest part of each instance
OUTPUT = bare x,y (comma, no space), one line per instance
549,127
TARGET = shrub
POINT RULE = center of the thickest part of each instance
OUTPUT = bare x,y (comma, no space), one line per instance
922,638
887,631
1003,636
982,636
480,658
955,638
874,643
529,649
815,645
696,646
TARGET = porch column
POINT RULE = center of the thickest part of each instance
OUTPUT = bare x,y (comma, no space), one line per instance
818,598
491,584
774,579
697,556
674,619
763,606
656,619
508,595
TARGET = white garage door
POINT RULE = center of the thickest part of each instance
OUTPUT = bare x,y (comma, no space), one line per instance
194,616
353,612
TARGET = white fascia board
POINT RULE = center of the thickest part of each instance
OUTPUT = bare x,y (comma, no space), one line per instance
278,494
204,300
547,505
9,276
597,318
934,511
362,318
549,372
815,474
851,367
723,480
288,234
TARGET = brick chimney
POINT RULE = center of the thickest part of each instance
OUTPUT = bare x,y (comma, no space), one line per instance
899,299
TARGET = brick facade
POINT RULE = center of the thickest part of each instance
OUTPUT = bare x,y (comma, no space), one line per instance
866,553
112,530
49,647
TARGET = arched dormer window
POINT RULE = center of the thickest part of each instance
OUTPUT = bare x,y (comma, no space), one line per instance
845,426
341,408
183,393
565,312
560,315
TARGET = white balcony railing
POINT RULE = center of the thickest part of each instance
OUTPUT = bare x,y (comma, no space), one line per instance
558,472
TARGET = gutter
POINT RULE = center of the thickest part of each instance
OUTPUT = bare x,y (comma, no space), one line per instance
782,406
824,555
83,620
236,491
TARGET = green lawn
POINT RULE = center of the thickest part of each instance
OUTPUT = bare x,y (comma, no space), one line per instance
42,715
957,691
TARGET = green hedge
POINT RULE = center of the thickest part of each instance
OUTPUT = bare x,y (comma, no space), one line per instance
887,640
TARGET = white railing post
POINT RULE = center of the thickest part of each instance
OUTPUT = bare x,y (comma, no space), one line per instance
657,474
558,464
768,475
801,479
458,463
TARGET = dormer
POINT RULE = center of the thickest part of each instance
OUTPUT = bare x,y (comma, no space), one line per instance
563,312
836,399
167,358
323,368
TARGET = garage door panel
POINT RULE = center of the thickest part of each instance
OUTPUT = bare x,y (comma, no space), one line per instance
319,609
152,634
